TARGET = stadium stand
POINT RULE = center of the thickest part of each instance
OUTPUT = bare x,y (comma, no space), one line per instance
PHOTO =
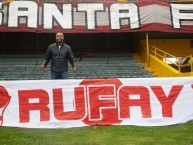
100,66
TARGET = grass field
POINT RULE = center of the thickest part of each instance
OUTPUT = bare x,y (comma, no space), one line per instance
181,134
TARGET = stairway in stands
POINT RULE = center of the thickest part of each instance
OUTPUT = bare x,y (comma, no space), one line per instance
98,66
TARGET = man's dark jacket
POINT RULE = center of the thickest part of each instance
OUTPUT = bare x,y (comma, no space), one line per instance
59,57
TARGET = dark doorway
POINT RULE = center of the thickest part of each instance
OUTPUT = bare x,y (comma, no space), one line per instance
27,43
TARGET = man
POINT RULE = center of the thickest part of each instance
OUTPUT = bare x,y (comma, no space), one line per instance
59,53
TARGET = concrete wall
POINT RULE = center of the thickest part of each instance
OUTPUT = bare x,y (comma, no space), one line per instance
176,47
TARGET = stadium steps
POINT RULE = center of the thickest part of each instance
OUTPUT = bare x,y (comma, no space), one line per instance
145,65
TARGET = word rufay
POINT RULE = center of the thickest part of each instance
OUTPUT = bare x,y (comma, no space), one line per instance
96,102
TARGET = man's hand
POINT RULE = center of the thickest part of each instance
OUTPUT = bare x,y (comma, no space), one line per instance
75,69
42,66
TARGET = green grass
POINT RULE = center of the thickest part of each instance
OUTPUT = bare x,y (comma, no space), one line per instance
181,134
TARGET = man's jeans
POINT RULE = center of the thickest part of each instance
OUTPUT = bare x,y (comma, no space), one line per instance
59,75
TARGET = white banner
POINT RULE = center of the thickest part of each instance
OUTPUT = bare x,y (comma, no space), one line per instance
78,103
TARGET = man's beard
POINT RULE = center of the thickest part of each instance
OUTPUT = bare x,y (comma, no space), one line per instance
59,41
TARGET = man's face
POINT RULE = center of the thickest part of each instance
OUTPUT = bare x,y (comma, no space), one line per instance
59,37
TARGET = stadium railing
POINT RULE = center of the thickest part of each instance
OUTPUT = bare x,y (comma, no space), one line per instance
181,63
